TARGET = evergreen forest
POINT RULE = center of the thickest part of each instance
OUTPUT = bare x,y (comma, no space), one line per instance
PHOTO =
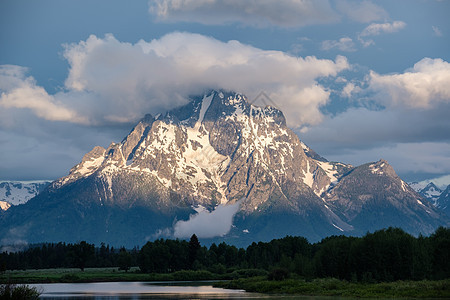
385,255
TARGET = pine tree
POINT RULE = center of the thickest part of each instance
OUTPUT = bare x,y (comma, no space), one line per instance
194,247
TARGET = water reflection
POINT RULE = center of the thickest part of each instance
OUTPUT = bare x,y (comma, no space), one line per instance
139,290
154,290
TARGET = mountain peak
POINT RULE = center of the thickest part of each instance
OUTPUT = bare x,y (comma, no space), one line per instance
220,149
382,167
431,192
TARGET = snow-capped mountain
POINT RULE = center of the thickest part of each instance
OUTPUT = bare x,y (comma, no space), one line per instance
430,191
218,151
439,198
15,193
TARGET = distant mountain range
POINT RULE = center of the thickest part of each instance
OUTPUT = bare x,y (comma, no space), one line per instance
16,192
224,169
439,198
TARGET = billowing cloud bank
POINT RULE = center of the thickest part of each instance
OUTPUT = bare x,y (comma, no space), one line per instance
423,86
112,82
207,224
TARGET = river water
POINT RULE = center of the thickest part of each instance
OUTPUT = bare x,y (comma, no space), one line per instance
141,290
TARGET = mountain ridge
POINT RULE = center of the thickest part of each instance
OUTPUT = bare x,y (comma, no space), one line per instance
219,149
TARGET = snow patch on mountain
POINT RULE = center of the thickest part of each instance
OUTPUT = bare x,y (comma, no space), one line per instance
17,192
330,170
309,176
377,168
88,167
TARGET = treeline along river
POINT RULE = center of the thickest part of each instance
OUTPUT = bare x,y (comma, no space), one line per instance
385,255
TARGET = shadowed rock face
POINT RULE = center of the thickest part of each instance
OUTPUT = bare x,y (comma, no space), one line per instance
443,202
219,149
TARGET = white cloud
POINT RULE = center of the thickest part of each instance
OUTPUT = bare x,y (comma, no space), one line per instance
361,11
343,44
441,182
426,84
377,29
350,89
436,31
207,224
20,92
111,82
126,80
259,13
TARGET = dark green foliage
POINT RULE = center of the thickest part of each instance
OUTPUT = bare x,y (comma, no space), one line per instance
18,292
81,253
194,249
61,255
278,274
342,288
124,260
440,255
383,256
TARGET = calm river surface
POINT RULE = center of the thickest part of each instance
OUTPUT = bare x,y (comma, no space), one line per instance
147,290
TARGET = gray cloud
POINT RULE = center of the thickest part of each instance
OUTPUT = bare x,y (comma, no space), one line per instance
437,32
258,13
379,28
344,44
409,126
207,224
362,128
361,11
408,159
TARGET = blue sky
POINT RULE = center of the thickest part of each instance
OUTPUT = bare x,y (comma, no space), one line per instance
357,80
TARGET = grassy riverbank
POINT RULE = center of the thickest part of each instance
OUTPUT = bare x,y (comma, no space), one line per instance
113,274
99,275
335,287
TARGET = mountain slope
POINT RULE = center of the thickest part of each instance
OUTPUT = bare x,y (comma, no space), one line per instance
443,202
217,150
372,195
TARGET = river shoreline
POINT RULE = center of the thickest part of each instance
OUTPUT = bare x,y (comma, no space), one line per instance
258,284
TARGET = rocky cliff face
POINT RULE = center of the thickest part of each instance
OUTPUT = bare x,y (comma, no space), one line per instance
218,150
